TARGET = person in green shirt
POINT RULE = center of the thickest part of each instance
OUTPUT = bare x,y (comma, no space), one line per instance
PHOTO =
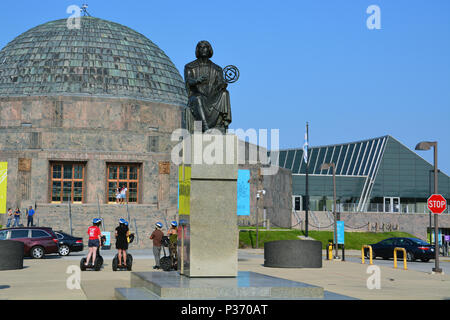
172,233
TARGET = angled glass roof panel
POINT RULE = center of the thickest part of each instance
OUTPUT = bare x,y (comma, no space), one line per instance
369,163
312,159
298,161
334,157
341,160
282,158
289,159
295,158
377,157
350,157
360,155
367,151
319,160
327,159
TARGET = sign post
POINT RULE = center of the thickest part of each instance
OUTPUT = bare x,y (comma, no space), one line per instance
436,204
341,237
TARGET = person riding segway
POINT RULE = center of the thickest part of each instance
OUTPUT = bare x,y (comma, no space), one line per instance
95,241
122,260
172,233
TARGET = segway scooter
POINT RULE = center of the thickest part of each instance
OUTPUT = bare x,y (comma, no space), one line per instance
98,260
166,261
115,262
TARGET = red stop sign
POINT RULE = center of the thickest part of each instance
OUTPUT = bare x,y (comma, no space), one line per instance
437,203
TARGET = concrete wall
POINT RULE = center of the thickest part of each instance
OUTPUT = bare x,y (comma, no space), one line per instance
413,223
277,201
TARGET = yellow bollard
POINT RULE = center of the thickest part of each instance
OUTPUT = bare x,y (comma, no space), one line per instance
362,254
330,251
404,258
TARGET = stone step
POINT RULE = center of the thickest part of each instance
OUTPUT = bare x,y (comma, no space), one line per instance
135,294
247,285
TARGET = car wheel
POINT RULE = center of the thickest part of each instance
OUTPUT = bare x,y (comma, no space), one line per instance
385,258
410,257
37,252
64,250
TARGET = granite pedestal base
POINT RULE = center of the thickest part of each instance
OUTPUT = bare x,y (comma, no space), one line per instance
246,286
293,254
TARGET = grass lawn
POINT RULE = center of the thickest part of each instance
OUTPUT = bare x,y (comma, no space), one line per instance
353,240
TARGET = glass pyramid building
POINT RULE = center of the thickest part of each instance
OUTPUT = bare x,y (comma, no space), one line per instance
379,174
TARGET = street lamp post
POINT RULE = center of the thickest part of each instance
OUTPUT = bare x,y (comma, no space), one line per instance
327,166
426,145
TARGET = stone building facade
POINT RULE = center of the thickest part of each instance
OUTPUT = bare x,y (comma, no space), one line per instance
83,111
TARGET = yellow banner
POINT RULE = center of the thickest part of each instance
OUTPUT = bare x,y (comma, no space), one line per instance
184,184
3,181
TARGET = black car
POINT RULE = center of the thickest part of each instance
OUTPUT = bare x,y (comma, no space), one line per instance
68,243
415,249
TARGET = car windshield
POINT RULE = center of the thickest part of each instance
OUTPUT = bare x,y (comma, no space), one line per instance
419,241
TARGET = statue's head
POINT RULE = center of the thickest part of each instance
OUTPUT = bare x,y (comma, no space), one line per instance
204,50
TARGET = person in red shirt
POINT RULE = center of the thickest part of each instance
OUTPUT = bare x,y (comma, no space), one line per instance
94,240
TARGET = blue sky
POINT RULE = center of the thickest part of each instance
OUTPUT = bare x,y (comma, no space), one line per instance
301,61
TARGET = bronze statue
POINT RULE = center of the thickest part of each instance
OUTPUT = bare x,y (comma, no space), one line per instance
209,99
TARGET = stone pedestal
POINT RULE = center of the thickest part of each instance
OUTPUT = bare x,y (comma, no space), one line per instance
208,203
246,286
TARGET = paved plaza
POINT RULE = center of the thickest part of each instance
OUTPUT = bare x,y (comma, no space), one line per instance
47,279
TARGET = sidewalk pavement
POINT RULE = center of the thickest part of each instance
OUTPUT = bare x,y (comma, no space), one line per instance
46,279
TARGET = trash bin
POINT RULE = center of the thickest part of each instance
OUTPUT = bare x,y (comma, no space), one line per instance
11,255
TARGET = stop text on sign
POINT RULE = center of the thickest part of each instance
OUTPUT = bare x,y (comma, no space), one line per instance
437,203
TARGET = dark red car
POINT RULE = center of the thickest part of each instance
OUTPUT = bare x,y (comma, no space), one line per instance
38,241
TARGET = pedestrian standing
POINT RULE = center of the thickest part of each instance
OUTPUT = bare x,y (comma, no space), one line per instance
30,216
157,236
10,217
123,194
118,195
16,218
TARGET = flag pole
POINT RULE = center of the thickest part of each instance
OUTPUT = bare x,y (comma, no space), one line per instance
307,191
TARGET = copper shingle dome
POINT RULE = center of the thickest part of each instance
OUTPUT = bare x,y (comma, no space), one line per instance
102,58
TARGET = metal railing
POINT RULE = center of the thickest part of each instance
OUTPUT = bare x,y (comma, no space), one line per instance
409,208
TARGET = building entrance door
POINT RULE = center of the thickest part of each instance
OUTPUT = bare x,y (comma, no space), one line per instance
391,204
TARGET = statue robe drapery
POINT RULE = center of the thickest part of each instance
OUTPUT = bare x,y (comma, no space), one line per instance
209,101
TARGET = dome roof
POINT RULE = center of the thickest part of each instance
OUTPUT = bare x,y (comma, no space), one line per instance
102,58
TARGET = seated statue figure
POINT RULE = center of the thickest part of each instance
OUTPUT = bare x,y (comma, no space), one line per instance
209,99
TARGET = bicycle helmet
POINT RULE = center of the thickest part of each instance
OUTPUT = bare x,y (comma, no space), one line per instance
174,224
96,220
159,225
122,221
